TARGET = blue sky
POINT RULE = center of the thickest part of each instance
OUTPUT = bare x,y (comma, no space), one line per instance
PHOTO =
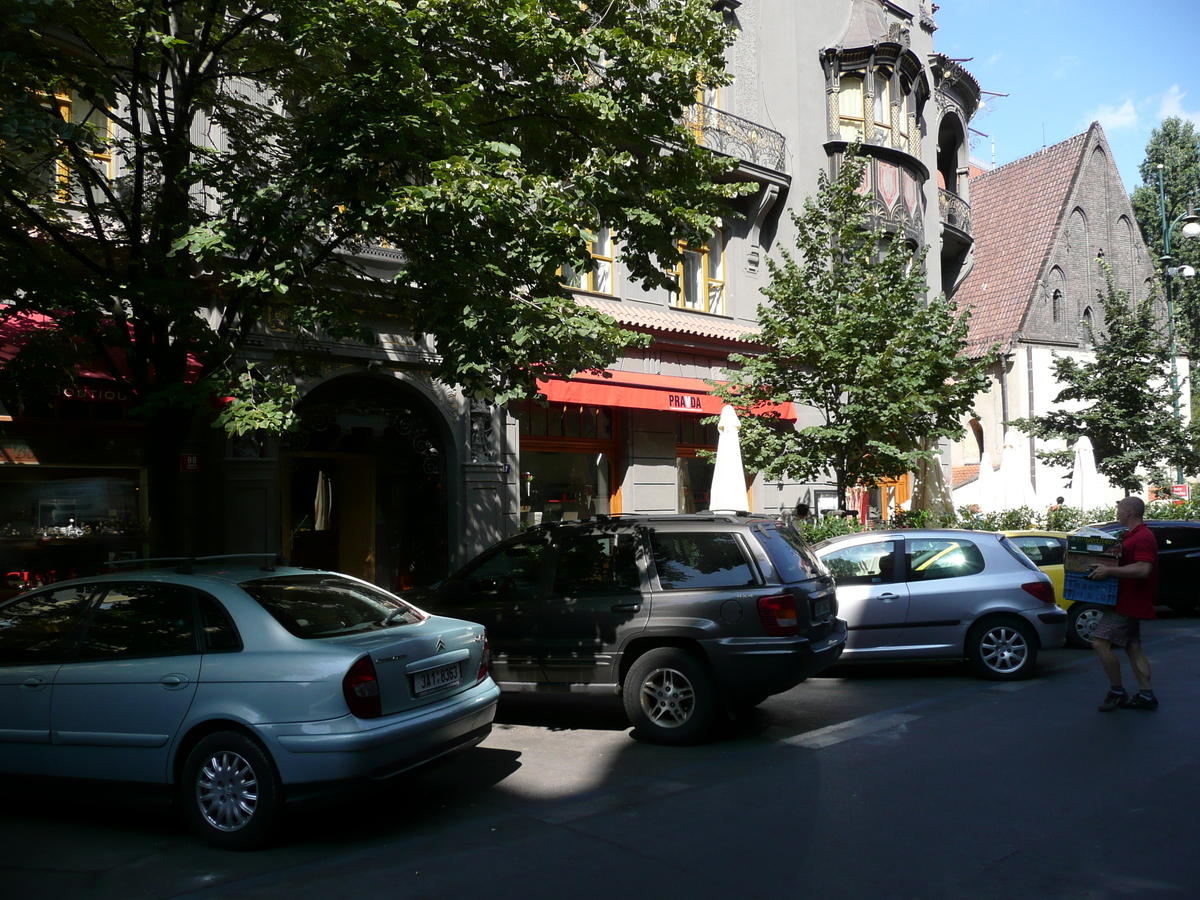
1127,64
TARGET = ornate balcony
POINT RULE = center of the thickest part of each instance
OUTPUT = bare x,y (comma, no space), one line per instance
955,211
740,138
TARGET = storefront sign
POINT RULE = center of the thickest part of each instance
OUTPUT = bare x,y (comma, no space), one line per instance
189,462
1181,491
94,395
684,401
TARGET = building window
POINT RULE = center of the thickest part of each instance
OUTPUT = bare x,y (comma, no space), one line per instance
86,115
850,108
702,277
882,107
1088,325
1056,306
599,277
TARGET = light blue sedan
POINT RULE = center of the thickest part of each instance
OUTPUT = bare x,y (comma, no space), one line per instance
241,686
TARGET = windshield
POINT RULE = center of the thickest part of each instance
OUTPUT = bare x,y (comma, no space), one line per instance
318,606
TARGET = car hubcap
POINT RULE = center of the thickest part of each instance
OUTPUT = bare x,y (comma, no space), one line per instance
668,698
227,791
1004,649
1086,622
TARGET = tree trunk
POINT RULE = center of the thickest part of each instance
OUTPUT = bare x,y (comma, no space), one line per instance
165,440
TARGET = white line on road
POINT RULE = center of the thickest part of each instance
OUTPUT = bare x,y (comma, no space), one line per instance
848,731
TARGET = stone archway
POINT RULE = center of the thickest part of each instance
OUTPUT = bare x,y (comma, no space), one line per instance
364,483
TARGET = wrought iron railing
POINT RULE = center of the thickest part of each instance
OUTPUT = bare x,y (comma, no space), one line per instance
734,136
954,210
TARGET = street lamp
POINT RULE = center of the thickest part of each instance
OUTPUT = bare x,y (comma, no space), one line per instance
1191,228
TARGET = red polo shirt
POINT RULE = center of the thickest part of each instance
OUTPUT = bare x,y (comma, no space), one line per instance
1135,596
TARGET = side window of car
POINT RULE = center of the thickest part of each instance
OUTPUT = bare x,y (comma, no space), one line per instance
704,559
873,563
216,628
1051,550
929,560
597,564
514,565
39,628
139,620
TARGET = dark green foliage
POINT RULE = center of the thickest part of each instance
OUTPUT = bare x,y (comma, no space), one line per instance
1122,399
260,145
849,333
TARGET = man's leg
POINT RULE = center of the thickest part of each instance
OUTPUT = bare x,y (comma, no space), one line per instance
1140,665
1108,659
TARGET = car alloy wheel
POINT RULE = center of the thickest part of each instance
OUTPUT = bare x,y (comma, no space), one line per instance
230,791
1002,649
669,697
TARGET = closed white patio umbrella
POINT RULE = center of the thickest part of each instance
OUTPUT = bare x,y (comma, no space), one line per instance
729,477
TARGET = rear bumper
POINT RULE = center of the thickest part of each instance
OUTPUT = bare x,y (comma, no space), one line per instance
348,748
757,666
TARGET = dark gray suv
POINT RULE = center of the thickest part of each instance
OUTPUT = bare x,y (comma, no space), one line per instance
686,617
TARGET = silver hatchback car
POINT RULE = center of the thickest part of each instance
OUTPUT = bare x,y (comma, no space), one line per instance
931,594
239,686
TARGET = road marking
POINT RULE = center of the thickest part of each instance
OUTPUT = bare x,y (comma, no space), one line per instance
633,795
848,731
1014,685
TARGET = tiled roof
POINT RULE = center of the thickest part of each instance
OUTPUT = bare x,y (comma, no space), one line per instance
960,475
1015,214
671,320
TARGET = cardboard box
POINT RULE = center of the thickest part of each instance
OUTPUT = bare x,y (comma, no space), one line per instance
1085,562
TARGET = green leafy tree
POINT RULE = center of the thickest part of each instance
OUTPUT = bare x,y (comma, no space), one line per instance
175,172
849,332
1122,399
1175,144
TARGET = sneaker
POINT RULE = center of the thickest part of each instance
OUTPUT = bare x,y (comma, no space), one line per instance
1112,700
1141,701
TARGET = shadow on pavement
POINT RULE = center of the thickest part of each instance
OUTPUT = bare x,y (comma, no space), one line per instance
562,712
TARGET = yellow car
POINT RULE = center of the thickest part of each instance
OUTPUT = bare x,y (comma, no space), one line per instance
1046,549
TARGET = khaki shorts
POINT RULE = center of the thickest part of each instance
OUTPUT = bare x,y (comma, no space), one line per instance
1118,629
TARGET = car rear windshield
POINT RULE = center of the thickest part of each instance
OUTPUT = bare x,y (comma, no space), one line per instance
790,554
319,606
1016,554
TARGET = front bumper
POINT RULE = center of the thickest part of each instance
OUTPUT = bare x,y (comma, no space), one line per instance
763,666
349,748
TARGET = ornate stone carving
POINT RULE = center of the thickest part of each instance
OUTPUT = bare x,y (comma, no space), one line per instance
483,442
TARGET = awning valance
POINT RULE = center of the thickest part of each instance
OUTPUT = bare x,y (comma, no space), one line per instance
632,390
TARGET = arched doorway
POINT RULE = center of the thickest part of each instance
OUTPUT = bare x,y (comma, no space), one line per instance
364,483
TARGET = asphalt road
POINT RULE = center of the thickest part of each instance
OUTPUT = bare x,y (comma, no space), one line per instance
869,782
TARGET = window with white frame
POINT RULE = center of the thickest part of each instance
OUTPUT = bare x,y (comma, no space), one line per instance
883,106
702,276
598,278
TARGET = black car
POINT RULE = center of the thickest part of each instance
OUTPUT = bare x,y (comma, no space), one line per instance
685,616
1178,561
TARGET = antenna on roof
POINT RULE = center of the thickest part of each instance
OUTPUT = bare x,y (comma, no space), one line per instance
1043,135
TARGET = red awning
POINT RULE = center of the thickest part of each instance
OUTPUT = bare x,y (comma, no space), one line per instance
631,390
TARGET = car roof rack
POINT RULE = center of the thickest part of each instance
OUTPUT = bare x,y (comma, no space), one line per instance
185,564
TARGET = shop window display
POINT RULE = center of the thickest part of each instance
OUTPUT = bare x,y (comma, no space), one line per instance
564,487
58,524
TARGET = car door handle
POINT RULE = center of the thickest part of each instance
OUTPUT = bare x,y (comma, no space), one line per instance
888,598
626,607
34,682
173,682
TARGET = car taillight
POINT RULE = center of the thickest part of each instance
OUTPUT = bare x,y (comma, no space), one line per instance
778,614
483,662
361,689
1041,590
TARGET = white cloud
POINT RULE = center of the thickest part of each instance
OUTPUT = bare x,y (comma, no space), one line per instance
1112,118
1172,105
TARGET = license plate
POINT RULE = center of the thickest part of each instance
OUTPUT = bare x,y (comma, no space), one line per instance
436,679
820,609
